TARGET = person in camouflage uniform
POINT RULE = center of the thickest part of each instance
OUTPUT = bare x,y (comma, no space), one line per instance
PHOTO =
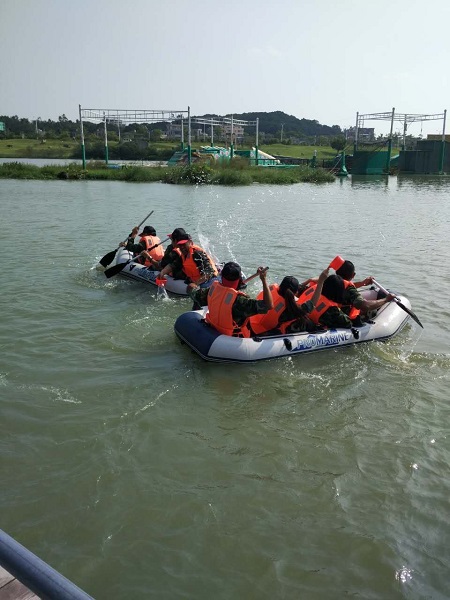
177,272
348,297
244,306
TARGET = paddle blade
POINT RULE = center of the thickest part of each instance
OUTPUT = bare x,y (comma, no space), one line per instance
410,312
108,258
115,269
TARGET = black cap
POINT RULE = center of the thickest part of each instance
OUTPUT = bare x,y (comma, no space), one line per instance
178,234
231,271
347,270
148,230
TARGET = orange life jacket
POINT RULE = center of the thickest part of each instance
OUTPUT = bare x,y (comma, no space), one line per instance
189,266
324,303
220,311
157,253
264,322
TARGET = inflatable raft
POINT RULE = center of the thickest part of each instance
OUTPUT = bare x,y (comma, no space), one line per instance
211,345
137,272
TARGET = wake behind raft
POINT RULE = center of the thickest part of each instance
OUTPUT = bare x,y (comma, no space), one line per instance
191,329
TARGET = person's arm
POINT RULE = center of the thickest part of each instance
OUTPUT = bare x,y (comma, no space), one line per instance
130,245
198,295
267,296
375,304
156,264
166,271
358,301
166,258
174,264
309,281
366,281
318,290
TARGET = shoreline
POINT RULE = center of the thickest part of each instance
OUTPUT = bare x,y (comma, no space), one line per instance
197,173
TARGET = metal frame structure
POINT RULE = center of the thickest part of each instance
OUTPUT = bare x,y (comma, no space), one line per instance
103,115
220,122
406,119
120,116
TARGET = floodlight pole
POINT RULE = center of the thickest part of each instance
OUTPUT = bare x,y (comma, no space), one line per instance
189,136
182,133
388,158
257,141
355,142
83,147
405,127
212,133
441,166
106,138
231,139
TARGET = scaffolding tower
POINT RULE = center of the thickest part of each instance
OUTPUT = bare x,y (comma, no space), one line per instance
406,119
121,117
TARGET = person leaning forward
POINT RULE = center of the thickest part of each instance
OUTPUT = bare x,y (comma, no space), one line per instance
197,266
229,310
341,304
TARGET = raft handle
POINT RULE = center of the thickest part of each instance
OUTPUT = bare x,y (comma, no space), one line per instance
287,343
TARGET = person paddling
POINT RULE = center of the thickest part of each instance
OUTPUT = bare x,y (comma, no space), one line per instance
229,310
145,247
288,315
177,234
196,264
341,304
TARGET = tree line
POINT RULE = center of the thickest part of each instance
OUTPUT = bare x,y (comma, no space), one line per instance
134,140
274,124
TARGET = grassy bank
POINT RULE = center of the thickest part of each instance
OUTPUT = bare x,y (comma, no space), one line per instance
67,149
237,173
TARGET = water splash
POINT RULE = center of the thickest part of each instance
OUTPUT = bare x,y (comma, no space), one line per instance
404,574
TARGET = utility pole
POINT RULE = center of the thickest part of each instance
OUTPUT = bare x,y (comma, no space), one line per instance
282,125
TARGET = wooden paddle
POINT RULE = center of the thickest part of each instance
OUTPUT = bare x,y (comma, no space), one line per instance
108,258
245,281
116,269
410,312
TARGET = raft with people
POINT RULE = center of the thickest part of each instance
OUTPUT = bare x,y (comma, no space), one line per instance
146,261
193,330
136,271
226,325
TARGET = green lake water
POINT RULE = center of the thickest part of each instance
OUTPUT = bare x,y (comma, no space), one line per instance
139,471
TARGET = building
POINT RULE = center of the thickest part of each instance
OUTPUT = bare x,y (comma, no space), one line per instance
238,132
365,134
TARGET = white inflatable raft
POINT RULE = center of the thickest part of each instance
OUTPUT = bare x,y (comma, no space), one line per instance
137,272
191,329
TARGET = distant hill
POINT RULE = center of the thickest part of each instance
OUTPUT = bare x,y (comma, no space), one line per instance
270,123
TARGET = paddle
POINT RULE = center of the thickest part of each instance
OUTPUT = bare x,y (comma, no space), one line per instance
116,269
245,281
406,309
108,258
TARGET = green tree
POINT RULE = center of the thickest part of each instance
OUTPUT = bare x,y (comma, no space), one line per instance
156,134
338,143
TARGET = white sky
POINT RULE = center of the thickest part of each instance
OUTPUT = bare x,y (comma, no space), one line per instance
314,59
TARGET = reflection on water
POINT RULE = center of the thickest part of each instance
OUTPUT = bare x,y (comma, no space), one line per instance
370,180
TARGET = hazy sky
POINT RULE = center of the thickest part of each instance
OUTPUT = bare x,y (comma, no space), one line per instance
315,59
